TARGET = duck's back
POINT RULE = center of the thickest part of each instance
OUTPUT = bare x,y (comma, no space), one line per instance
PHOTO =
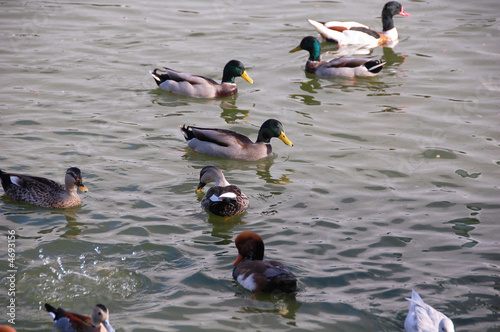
233,204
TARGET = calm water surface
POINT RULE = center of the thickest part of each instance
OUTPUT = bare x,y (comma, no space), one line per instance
393,182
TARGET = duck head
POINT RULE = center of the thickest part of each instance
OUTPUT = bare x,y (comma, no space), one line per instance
272,128
232,69
311,45
250,246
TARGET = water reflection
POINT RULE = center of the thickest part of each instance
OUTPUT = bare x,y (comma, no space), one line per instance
392,58
261,167
167,99
230,112
284,304
222,227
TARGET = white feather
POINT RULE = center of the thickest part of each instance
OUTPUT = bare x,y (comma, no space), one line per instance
248,282
228,195
15,180
215,198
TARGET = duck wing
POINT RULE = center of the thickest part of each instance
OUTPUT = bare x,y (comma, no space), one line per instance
346,62
28,182
223,137
67,320
225,201
168,74
279,277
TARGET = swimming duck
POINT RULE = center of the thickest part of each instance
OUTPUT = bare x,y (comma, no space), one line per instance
71,322
341,67
254,273
224,199
44,192
225,143
424,318
200,86
354,33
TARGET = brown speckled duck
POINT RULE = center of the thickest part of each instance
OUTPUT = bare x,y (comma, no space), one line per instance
225,143
200,86
71,322
256,274
223,199
44,192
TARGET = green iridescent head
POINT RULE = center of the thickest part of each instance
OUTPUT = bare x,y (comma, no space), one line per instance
235,68
311,45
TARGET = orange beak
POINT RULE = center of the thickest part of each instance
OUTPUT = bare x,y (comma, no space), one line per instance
238,260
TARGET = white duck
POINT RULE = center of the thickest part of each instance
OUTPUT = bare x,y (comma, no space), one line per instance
354,33
424,318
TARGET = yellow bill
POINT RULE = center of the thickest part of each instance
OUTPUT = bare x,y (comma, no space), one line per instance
82,188
285,140
298,48
246,77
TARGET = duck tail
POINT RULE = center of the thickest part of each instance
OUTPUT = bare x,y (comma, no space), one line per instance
328,34
375,66
159,77
187,132
4,179
52,311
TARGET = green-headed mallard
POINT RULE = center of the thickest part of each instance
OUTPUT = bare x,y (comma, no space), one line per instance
225,143
200,86
341,67
256,274
354,33
72,322
223,199
44,192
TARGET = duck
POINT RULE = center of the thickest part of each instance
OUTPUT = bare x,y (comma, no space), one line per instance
44,192
340,67
72,322
224,199
354,33
424,318
256,274
230,144
200,86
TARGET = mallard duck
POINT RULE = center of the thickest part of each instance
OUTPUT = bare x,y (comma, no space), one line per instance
225,143
424,318
344,67
44,192
354,33
256,274
224,199
71,322
200,86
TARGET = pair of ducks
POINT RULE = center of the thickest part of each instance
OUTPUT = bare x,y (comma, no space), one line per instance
343,33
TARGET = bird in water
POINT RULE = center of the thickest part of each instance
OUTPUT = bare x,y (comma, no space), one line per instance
44,192
223,199
256,274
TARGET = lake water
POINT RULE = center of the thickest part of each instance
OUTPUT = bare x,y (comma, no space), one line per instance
393,182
